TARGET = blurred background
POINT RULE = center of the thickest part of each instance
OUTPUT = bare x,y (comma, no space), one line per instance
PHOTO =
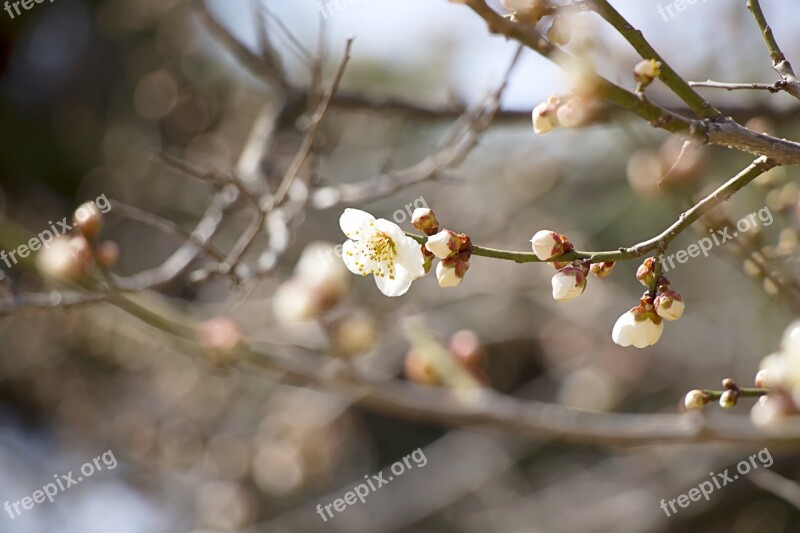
95,93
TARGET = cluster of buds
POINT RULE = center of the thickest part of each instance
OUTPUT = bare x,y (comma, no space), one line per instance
70,258
780,373
464,348
639,327
645,72
643,325
570,280
729,397
319,283
565,111
454,249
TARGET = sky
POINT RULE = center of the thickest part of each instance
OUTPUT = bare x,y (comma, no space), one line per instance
404,32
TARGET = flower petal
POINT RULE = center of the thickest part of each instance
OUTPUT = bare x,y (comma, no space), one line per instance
355,223
409,256
352,252
391,229
397,286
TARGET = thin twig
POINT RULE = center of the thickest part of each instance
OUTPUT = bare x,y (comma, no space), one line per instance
780,64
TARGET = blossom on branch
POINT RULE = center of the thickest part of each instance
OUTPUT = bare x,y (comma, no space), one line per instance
380,248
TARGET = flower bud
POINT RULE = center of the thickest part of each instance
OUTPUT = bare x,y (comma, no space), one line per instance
356,334
545,116
450,273
646,71
321,269
66,259
88,219
466,347
646,272
603,269
559,31
669,305
573,113
729,383
762,379
728,399
220,336
107,254
568,283
639,327
443,244
695,399
295,301
417,368
425,220
547,244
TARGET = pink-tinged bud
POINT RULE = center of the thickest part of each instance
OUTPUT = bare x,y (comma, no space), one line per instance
425,221
107,254
728,399
66,259
219,335
696,399
547,244
417,368
356,334
639,327
603,269
89,220
545,116
669,305
559,31
646,71
450,272
646,272
762,379
568,283
466,347
443,244
427,257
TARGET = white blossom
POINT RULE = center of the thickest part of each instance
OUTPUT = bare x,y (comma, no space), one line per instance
380,248
568,284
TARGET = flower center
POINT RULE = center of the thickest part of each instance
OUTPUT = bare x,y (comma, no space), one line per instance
382,250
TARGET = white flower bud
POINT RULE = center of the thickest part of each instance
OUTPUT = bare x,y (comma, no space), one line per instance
447,276
544,118
695,399
568,284
443,244
321,268
669,305
66,259
637,327
646,71
295,301
547,244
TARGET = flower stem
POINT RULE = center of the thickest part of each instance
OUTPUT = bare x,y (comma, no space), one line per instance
744,392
